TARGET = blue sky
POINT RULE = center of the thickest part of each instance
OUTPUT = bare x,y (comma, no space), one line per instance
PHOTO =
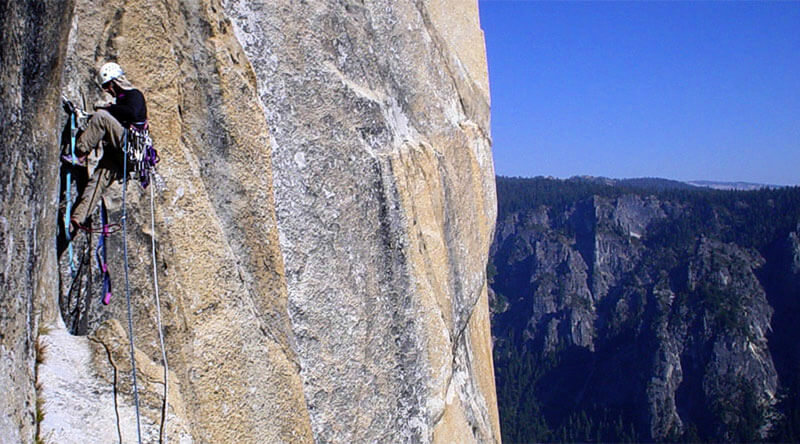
681,90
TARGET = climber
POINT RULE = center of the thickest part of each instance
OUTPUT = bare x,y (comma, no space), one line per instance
108,125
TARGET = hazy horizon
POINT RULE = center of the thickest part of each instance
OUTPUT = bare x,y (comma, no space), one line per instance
690,181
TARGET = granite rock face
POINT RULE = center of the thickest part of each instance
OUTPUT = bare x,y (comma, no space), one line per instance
321,240
385,201
33,36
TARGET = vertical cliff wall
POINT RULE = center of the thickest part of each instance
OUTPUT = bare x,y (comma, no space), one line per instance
385,203
321,239
33,36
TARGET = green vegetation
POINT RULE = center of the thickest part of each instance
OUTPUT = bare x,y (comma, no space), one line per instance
747,414
43,329
39,410
524,419
531,382
747,218
518,194
491,271
517,373
40,349
39,414
499,304
787,428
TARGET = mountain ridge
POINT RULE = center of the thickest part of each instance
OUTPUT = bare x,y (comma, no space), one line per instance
662,183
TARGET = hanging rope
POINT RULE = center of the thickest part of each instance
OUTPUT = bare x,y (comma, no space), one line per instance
145,159
162,434
127,286
68,211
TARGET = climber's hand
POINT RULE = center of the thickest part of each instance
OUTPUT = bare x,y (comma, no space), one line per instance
69,108
101,104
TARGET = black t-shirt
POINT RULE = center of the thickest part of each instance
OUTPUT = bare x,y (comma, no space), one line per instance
130,107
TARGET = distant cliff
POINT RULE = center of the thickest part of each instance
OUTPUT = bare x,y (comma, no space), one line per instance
626,313
321,241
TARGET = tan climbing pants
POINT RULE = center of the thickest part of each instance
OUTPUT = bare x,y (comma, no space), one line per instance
103,138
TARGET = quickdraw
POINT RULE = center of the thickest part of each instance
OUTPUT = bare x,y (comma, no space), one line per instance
142,156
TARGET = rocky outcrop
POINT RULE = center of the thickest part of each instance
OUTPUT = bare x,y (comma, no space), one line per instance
719,334
611,285
338,297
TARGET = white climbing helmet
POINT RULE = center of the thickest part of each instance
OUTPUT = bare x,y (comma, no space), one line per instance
109,72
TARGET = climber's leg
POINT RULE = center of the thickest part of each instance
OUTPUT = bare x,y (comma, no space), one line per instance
91,195
101,126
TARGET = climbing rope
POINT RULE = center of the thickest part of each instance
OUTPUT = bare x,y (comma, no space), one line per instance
144,158
127,287
165,405
68,210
